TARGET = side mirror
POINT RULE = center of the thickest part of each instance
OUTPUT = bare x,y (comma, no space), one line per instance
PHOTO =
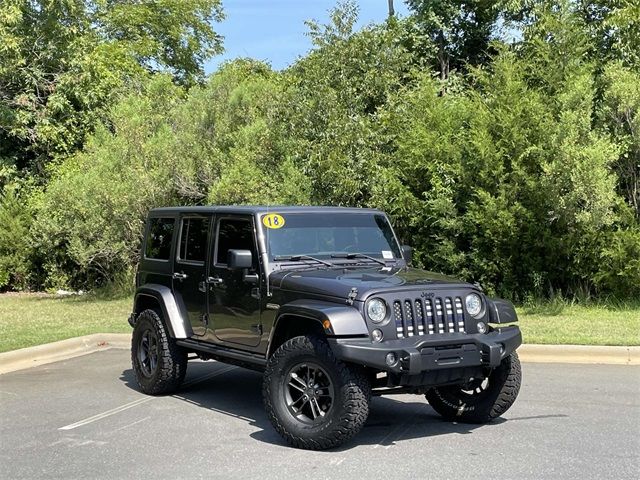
407,254
237,259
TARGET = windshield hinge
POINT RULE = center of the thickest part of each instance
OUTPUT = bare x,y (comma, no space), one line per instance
352,296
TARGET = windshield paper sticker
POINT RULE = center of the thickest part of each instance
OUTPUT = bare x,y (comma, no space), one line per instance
274,220
387,254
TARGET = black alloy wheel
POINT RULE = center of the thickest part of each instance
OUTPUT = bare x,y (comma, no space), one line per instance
148,353
310,393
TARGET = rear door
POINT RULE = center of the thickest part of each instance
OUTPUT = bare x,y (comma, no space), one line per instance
234,303
190,268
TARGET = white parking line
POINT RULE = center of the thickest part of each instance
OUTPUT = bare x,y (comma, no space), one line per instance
108,413
131,424
140,401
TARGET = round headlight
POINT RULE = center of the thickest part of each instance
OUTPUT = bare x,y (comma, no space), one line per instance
377,310
473,302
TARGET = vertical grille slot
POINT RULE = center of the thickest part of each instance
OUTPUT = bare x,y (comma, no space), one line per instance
419,319
439,317
429,318
448,310
408,315
459,314
397,315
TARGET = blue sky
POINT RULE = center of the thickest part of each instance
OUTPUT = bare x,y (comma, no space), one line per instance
274,30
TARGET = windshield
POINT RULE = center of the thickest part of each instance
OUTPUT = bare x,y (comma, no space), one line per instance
324,235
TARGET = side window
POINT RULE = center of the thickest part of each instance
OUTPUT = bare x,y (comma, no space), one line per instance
234,234
193,239
158,245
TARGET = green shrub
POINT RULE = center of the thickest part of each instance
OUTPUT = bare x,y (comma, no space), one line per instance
15,248
619,264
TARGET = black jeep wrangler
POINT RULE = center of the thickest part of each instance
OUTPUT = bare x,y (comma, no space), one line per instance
322,300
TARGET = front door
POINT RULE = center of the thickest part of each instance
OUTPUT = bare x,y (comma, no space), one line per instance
189,270
234,302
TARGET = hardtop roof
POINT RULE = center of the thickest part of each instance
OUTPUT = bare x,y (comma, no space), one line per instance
253,209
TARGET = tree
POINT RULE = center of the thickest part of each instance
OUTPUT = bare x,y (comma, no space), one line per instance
462,30
219,143
334,96
614,28
63,62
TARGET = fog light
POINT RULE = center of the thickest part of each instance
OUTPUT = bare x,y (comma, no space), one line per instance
376,335
391,359
482,327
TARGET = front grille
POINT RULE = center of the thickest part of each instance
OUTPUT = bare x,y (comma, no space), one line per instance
428,316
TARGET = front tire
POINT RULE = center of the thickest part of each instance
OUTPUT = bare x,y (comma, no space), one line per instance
158,362
313,400
481,400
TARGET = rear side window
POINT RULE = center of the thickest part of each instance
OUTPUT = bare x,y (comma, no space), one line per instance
193,239
159,238
234,234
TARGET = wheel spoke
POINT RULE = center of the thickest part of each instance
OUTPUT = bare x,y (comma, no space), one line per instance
313,410
299,380
301,397
297,387
314,401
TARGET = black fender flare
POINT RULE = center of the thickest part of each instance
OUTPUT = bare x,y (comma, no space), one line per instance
344,320
501,311
172,306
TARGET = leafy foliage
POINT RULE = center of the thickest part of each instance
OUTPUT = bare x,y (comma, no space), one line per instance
461,30
15,250
517,168
64,62
216,145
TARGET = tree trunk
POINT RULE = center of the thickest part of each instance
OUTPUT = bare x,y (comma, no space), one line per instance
443,57
392,11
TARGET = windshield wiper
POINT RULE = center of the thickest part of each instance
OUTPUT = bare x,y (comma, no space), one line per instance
296,258
349,255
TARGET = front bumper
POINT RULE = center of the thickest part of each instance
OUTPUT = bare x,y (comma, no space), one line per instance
424,353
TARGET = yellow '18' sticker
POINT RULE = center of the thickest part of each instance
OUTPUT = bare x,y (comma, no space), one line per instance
273,220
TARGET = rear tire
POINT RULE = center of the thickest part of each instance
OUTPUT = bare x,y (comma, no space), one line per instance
313,400
158,362
482,400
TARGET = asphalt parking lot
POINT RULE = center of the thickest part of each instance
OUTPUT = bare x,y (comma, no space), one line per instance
84,418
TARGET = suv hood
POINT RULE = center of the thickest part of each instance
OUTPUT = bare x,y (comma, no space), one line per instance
338,282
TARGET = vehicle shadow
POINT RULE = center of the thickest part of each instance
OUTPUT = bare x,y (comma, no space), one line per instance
238,394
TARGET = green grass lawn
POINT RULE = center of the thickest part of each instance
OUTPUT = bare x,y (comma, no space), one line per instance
33,319
581,325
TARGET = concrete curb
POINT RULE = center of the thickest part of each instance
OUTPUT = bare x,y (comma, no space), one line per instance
75,347
580,354
62,350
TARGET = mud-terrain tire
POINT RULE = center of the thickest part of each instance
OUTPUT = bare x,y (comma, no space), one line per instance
337,404
158,363
482,403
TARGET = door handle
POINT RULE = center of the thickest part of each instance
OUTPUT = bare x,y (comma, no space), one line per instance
215,280
179,276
